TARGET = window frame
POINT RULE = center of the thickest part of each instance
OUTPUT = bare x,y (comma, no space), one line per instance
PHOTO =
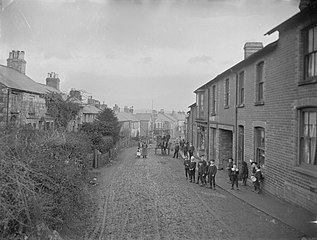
258,146
301,134
200,105
306,79
241,88
259,81
226,93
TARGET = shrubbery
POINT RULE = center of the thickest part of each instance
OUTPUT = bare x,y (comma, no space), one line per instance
43,179
104,131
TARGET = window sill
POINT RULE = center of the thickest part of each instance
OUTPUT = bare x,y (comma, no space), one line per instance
310,80
261,103
306,171
226,107
213,114
241,105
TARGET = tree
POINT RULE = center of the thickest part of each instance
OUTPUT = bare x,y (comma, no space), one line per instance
62,111
104,131
107,118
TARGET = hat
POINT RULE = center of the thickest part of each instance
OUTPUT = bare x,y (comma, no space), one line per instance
192,158
212,160
251,162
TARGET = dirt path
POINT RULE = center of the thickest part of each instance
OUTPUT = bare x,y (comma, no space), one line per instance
151,199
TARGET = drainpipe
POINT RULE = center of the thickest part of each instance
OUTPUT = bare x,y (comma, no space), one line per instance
8,98
208,114
236,122
192,131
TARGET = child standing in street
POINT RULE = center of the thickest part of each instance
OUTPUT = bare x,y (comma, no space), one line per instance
234,176
192,169
205,167
212,170
186,164
138,153
201,172
230,164
258,179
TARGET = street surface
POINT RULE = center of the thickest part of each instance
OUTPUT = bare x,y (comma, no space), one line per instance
150,198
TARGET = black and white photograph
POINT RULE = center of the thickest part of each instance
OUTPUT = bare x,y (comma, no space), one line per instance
158,119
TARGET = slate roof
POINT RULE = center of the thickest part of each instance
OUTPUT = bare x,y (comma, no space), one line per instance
178,116
126,117
143,116
162,117
13,79
90,109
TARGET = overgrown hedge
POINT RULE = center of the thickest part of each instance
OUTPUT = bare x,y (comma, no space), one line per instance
43,179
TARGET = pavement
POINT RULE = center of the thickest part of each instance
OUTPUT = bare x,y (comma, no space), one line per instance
290,214
294,216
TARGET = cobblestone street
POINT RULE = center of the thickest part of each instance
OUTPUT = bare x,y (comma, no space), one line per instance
151,199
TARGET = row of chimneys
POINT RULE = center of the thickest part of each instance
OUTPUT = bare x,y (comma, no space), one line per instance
17,62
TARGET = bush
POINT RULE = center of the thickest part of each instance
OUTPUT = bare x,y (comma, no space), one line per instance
43,179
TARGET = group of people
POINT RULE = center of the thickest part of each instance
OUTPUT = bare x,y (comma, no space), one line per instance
206,172
142,150
235,176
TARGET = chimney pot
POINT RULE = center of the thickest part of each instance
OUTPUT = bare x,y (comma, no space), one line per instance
52,81
251,47
16,61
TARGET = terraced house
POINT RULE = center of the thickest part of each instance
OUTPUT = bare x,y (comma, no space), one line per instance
22,99
264,108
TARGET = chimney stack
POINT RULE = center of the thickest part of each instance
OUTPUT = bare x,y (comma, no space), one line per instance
251,47
311,4
52,80
16,61
76,94
126,109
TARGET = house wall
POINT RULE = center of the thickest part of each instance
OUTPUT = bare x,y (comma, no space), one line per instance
283,97
24,108
144,128
285,177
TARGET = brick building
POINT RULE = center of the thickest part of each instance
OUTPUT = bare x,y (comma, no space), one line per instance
264,108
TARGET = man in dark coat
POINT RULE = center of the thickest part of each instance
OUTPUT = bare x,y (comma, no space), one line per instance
244,172
176,149
191,150
212,171
185,149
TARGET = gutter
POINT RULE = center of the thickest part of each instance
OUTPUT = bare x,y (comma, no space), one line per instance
208,121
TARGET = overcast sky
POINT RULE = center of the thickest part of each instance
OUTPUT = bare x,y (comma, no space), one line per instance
136,52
